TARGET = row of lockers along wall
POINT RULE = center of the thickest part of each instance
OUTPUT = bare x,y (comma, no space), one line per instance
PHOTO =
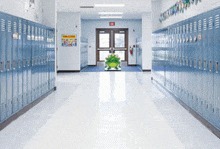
186,59
27,58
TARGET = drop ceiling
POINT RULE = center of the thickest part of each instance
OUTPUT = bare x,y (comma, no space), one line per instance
133,9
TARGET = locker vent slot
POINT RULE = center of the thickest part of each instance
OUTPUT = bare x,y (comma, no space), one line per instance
13,64
2,25
24,62
204,64
184,29
200,25
181,30
191,27
9,26
15,27
19,63
178,29
2,66
28,62
210,65
195,27
187,28
216,67
20,28
36,31
8,65
210,23
191,62
217,21
195,63
24,29
204,25
175,30
200,64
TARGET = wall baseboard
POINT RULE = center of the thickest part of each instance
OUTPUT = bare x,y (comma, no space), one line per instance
25,109
67,71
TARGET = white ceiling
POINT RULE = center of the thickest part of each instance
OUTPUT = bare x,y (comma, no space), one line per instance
133,8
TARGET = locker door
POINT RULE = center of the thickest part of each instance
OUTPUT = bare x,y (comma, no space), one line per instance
200,70
195,64
187,44
184,88
29,61
34,62
15,63
25,63
205,66
45,60
211,67
53,59
20,64
41,60
9,64
36,54
3,61
216,69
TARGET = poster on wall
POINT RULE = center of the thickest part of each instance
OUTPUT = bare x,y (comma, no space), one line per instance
69,40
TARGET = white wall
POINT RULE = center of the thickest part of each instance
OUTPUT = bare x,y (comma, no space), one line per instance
68,58
193,10
89,31
17,8
146,41
48,17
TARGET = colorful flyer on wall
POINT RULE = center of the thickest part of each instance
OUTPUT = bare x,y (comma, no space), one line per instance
69,40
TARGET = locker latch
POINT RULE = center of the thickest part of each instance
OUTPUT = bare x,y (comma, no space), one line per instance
216,67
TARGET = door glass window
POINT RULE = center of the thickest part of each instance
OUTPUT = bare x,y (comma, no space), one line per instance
119,40
103,55
104,40
120,54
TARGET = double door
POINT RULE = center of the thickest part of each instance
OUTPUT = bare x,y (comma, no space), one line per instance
109,41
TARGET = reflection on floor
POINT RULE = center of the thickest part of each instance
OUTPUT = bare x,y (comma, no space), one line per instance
102,69
107,110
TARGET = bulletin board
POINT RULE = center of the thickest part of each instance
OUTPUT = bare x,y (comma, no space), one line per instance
69,40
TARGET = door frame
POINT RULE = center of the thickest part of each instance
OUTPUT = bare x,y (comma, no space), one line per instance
114,29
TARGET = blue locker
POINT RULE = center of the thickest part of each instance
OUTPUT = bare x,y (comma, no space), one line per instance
25,64
205,66
45,60
53,59
9,64
199,68
216,69
195,64
30,61
20,64
3,74
211,67
36,55
34,63
41,62
15,63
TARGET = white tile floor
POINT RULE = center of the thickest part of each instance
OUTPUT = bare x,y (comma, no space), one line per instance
107,110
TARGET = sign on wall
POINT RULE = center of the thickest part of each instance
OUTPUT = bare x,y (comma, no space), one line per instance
69,40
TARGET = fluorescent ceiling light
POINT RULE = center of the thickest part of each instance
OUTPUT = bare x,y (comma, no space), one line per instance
110,12
110,17
109,5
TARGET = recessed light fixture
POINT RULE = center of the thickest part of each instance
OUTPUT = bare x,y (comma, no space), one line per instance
110,17
109,5
110,13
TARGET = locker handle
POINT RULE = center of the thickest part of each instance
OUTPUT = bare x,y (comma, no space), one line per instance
204,64
19,63
32,61
24,62
28,62
210,65
2,66
216,67
13,64
8,65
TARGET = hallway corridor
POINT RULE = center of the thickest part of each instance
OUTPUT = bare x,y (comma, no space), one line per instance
107,110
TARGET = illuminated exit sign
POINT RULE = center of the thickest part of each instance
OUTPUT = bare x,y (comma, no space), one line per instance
112,23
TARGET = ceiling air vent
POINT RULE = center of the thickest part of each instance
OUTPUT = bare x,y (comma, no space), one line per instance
86,6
